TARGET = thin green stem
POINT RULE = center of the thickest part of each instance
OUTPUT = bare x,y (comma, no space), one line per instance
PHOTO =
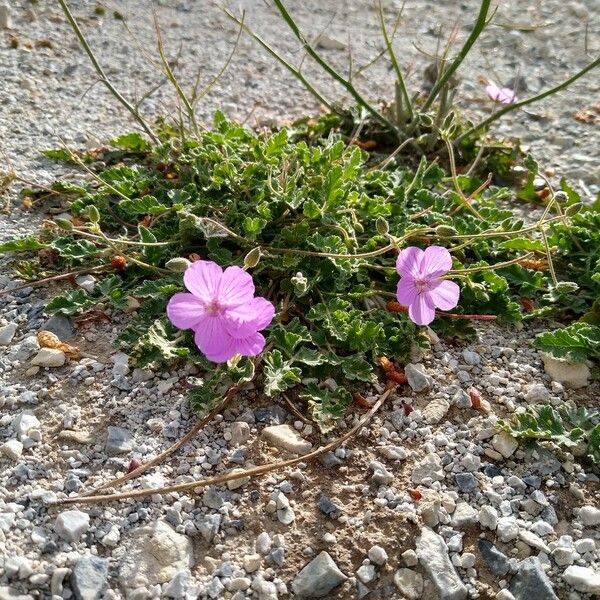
105,80
395,64
510,107
296,72
464,200
493,267
329,69
549,256
479,26
104,238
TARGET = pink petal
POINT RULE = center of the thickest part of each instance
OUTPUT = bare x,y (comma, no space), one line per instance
213,340
185,310
406,292
444,294
507,96
236,287
492,90
409,261
422,310
436,261
249,346
202,278
248,318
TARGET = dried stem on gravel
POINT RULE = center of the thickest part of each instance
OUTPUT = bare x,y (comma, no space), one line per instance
221,479
105,80
53,278
227,398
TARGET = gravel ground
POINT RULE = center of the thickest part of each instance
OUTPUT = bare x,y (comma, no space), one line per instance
493,520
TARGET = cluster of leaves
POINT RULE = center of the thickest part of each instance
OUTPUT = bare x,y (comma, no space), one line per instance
309,202
577,342
576,430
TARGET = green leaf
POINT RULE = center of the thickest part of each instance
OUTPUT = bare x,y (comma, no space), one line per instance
112,289
157,288
156,346
75,249
593,448
356,367
131,141
287,337
146,205
278,373
58,154
26,244
325,406
70,303
577,342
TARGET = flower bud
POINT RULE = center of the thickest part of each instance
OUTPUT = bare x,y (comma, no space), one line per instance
252,258
566,287
445,231
178,264
383,227
93,214
300,284
64,224
573,209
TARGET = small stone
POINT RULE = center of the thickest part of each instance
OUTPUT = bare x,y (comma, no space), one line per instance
507,529
575,375
505,444
318,577
531,539
393,452
537,393
12,449
410,583
5,20
286,438
531,582
589,516
239,584
234,484
585,545
433,556
49,357
24,423
418,379
329,508
497,562
436,410
154,554
178,586
563,556
583,579
60,326
377,555
366,573
429,467
381,476
89,577
87,283
466,481
410,559
464,515
118,441
504,595
7,332
329,43
263,543
240,432
72,524
471,358
252,562
461,399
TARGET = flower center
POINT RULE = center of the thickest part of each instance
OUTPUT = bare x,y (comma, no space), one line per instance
214,308
422,285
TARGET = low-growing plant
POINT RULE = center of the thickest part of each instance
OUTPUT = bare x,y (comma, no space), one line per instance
319,224
576,430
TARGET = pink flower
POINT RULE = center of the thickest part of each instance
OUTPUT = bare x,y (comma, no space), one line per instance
421,286
503,95
222,310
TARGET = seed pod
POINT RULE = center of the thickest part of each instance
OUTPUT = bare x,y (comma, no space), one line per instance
383,227
178,264
573,209
93,214
64,224
566,287
445,231
252,258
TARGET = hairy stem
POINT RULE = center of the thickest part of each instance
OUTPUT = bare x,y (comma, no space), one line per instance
510,107
105,80
479,26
